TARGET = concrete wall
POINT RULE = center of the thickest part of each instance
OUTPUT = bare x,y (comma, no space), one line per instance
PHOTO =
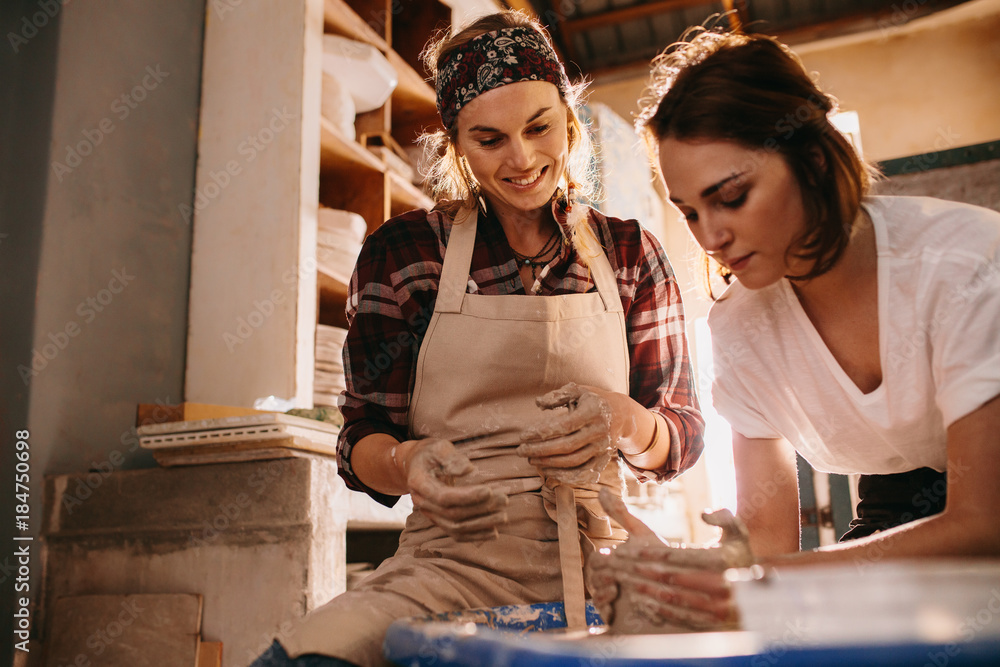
27,83
100,109
923,86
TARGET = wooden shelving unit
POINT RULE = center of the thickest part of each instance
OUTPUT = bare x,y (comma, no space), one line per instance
255,241
352,177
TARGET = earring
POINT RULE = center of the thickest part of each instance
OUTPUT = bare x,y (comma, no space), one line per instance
570,194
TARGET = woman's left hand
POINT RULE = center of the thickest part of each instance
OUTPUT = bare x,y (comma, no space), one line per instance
572,448
670,585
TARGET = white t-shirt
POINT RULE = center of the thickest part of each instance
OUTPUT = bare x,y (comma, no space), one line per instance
939,342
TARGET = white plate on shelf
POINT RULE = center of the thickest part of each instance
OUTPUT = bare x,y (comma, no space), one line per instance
362,69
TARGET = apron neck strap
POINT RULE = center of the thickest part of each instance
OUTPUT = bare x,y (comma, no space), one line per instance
458,261
607,284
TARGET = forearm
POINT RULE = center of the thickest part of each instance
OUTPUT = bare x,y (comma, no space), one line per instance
379,461
942,535
644,438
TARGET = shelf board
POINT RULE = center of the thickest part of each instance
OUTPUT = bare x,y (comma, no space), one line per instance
413,101
340,19
412,91
406,196
331,289
336,151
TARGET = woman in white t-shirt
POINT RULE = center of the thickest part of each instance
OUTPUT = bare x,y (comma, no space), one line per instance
861,332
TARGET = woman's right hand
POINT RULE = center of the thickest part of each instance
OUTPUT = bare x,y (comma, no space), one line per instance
680,586
466,512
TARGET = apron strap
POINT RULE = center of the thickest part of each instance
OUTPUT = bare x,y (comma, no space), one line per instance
457,261
570,559
607,285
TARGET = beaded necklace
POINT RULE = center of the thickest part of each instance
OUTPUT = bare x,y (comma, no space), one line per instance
538,259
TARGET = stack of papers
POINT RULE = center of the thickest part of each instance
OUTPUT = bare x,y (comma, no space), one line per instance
329,381
248,438
338,242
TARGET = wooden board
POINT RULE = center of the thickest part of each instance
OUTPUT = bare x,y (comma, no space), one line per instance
210,654
125,630
230,452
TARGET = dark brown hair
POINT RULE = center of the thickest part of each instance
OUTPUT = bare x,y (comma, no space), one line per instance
752,90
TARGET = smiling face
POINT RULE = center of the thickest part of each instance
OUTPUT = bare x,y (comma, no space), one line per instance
743,206
516,143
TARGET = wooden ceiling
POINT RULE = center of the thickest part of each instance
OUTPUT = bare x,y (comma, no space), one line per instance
597,37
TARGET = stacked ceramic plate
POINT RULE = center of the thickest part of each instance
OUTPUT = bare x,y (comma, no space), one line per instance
338,242
361,69
337,105
328,381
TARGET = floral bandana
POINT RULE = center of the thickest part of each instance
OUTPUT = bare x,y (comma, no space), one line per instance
491,60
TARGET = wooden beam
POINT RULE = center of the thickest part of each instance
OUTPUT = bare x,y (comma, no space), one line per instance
885,18
736,11
625,14
522,5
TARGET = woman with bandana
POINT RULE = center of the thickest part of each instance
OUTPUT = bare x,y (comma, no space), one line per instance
503,347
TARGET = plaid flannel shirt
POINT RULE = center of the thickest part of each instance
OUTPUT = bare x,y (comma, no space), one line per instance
391,299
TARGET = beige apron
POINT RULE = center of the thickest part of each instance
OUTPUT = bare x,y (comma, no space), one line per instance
482,363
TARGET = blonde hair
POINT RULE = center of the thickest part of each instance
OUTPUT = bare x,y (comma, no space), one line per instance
452,182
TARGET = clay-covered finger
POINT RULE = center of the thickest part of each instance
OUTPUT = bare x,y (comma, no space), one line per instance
576,437
708,582
719,606
733,529
462,502
695,619
571,453
554,427
587,413
579,476
690,559
431,488
616,509
565,396
469,498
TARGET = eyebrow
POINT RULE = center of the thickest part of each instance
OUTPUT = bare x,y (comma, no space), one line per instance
483,128
712,189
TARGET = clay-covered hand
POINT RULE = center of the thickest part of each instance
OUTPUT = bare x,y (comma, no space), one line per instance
575,446
675,587
466,512
602,582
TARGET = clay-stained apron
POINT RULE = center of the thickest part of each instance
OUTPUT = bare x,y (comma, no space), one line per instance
482,363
